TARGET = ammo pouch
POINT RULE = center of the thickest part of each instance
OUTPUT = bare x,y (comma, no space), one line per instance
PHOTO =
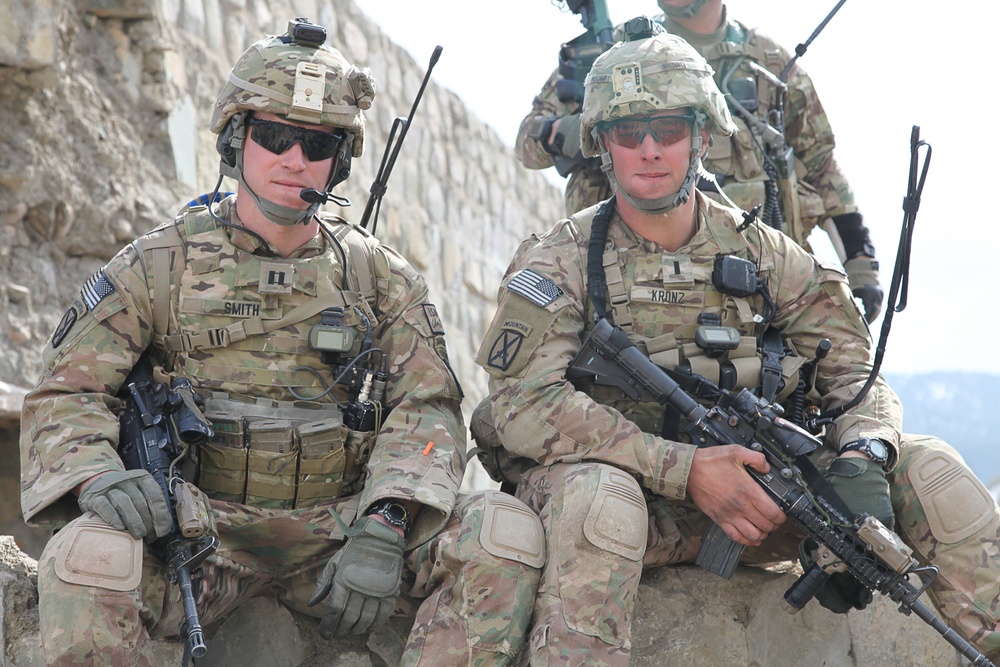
279,455
500,465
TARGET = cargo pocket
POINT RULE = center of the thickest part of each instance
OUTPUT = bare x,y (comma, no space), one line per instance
321,462
271,464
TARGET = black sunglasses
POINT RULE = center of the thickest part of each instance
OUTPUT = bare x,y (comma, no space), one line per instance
279,137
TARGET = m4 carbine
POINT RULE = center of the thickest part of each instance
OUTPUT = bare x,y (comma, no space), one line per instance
857,544
159,425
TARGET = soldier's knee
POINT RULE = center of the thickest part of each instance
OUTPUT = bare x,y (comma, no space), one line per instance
617,521
957,505
89,552
511,531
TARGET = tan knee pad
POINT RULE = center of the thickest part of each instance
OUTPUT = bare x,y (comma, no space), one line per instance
511,530
956,503
617,521
92,553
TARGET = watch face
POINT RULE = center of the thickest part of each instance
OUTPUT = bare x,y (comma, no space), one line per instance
396,514
878,449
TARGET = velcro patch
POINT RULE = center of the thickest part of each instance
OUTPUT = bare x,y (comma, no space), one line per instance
95,289
433,319
505,349
641,294
276,278
65,326
534,287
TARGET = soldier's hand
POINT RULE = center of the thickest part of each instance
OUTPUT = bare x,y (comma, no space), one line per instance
862,485
361,582
721,488
862,274
128,500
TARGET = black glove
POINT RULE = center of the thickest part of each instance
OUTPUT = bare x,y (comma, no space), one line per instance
863,487
862,274
129,500
364,577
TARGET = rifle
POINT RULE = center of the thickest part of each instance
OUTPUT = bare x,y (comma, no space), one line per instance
575,60
858,544
781,203
577,55
159,425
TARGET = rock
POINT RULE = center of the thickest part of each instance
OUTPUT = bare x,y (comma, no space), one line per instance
685,616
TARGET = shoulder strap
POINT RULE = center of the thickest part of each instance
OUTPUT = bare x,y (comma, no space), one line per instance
355,239
597,281
162,254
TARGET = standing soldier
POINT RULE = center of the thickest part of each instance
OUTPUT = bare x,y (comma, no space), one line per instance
758,165
616,482
323,370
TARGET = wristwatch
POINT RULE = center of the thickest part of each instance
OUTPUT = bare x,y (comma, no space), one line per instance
394,513
874,448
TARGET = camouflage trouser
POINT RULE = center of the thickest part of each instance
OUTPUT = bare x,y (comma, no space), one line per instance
601,533
474,611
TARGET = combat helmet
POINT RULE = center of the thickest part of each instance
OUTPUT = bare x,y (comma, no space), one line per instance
646,76
296,76
681,12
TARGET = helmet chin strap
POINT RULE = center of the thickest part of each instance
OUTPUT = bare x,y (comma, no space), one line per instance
682,12
660,205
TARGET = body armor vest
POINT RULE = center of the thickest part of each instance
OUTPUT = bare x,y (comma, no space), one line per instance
238,327
660,300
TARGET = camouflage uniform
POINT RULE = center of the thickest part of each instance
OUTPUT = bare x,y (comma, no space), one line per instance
823,191
609,476
234,326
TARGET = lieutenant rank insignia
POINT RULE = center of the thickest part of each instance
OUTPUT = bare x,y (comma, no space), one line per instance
534,287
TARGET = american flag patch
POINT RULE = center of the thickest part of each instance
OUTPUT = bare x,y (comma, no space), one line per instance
96,288
534,287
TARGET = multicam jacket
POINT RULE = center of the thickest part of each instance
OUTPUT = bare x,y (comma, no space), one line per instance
737,162
219,292
544,313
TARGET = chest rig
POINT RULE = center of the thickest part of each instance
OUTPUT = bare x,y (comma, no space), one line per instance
238,326
747,68
671,308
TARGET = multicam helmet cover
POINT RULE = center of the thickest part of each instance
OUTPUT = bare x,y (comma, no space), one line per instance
641,77
302,81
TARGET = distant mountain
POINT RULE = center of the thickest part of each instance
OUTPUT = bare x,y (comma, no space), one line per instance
961,409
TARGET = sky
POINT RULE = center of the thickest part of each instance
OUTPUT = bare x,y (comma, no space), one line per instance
880,66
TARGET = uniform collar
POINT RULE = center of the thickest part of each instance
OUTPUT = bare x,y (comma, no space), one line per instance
317,245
